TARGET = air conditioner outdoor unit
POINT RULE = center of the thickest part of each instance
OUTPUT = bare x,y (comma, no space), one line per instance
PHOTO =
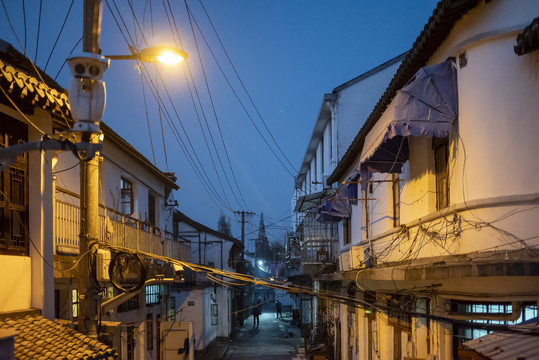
344,261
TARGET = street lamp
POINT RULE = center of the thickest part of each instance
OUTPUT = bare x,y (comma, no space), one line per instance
161,54
87,98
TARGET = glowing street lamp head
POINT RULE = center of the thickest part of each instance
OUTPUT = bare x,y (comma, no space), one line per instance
260,262
164,55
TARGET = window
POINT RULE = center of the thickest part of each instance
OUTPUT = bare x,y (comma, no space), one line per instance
152,294
126,202
149,332
315,173
130,340
151,209
441,152
158,336
366,221
172,310
395,188
128,305
322,170
13,191
75,303
346,231
528,311
214,314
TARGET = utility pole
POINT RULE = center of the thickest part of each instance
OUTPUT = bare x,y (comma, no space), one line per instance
243,213
243,297
89,185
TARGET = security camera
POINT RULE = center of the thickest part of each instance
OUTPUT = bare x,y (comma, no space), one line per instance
87,95
88,66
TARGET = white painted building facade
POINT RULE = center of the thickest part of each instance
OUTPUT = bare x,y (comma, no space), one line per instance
454,234
211,307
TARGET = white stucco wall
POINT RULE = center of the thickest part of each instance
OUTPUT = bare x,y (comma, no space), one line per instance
356,102
118,164
493,152
16,289
198,313
31,278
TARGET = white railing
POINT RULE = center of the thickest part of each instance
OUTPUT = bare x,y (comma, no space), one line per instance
116,230
67,228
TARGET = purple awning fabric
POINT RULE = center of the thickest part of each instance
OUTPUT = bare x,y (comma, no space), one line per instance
339,205
426,106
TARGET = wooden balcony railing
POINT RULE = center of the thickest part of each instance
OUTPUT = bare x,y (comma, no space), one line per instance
116,230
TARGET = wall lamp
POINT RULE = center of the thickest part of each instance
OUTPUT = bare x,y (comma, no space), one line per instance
164,55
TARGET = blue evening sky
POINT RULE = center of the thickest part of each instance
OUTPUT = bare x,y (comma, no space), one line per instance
288,53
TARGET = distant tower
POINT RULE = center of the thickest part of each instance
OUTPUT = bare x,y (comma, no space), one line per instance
262,245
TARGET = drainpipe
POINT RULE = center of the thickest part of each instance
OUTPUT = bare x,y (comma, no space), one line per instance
516,307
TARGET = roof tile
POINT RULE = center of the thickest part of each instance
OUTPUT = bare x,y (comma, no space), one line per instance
40,338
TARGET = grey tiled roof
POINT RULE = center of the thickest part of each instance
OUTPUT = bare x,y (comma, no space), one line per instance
39,338
520,344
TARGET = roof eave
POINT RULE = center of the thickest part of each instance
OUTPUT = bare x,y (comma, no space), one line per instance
324,116
444,17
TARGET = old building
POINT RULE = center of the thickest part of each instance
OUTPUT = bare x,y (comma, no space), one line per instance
440,244
31,105
208,302
312,247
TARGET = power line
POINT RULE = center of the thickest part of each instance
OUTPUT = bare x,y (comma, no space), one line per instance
159,101
59,34
241,103
244,87
38,29
215,113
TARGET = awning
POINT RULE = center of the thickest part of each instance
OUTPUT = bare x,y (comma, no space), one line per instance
426,106
307,202
339,205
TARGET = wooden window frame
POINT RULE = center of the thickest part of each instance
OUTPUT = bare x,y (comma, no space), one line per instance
395,189
151,209
440,147
126,192
346,231
14,209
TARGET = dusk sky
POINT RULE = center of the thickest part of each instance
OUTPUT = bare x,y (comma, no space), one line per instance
287,53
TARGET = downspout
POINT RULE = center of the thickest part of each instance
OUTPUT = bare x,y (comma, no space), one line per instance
516,311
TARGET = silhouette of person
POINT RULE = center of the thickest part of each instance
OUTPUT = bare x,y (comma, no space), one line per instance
256,313
279,308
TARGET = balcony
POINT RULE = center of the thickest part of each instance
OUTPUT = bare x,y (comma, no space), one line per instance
115,229
314,246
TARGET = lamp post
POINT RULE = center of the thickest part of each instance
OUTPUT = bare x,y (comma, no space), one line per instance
87,100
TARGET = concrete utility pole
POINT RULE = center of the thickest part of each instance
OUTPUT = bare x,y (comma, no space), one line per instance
243,213
242,299
89,190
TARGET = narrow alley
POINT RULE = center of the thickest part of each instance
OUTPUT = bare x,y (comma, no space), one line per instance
274,339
